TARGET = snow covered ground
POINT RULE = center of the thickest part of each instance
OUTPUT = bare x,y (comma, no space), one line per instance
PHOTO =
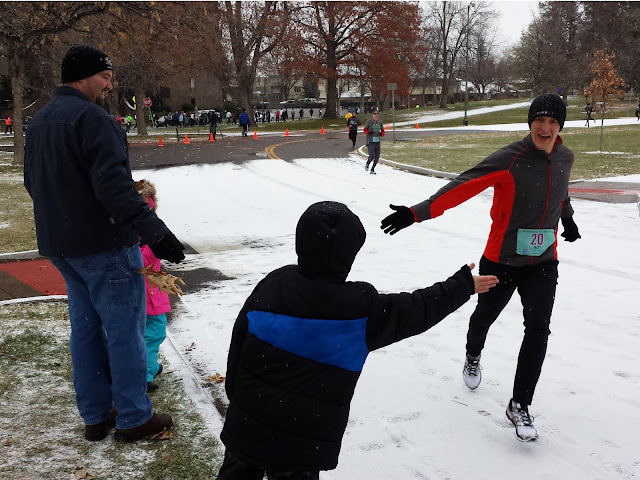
412,416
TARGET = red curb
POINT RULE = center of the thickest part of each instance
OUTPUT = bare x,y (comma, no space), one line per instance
39,274
601,190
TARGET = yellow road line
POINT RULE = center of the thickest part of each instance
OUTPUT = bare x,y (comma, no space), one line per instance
270,149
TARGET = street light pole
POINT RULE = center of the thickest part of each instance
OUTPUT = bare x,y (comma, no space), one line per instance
466,78
393,87
393,112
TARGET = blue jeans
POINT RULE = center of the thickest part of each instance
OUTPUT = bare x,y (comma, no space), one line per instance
107,312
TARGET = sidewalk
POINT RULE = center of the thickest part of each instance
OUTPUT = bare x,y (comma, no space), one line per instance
27,275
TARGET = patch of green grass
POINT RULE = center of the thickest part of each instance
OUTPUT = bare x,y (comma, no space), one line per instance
17,226
41,432
455,153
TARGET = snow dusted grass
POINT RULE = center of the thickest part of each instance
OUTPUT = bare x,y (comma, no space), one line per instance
41,433
16,209
453,153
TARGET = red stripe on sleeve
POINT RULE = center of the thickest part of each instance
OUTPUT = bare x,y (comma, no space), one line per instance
463,192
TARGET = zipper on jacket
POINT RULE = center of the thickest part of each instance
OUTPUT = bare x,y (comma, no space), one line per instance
546,206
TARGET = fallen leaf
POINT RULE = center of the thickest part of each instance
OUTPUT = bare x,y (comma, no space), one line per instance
216,378
163,280
83,472
163,435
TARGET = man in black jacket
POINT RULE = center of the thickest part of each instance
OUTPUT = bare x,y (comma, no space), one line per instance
300,342
530,181
89,220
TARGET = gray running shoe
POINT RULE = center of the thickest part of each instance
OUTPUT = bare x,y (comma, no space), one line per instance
471,373
519,416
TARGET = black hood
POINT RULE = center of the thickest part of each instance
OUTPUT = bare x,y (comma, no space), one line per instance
328,238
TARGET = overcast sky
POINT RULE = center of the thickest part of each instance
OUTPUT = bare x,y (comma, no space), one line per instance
515,17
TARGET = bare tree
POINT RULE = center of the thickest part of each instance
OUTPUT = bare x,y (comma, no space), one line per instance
282,62
336,33
27,30
483,63
453,20
254,29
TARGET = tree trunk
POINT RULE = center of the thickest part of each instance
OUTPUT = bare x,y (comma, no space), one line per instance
141,123
332,80
332,98
245,94
444,91
383,101
444,94
17,87
602,126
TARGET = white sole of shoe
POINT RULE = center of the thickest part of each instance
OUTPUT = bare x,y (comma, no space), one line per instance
515,432
471,387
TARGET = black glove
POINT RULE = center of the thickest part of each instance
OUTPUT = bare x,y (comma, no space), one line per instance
402,218
168,248
570,233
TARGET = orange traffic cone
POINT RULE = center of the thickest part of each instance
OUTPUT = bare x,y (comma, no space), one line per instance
286,132
417,126
186,139
211,139
160,142
387,126
255,134
321,130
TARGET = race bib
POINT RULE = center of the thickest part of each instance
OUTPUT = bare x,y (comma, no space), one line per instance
375,139
534,242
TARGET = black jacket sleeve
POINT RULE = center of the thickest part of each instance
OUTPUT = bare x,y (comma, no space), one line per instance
402,315
107,156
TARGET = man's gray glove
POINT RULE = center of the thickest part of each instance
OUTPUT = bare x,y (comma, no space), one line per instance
401,218
168,248
570,233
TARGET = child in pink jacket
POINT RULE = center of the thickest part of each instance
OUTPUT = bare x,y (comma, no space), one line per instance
157,301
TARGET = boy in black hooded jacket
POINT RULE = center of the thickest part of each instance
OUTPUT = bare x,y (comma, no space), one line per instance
300,342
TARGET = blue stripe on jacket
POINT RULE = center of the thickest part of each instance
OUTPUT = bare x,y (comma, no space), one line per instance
341,343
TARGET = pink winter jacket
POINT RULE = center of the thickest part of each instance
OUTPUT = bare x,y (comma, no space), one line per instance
157,301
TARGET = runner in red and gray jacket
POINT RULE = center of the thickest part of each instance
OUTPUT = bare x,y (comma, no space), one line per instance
531,183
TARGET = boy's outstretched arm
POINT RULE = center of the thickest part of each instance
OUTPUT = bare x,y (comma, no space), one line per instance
483,283
401,315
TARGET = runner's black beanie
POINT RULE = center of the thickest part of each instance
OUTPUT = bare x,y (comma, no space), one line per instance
82,61
548,105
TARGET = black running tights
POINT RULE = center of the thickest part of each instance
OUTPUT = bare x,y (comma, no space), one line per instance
536,286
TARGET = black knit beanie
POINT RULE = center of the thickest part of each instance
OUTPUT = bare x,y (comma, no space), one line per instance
548,105
82,61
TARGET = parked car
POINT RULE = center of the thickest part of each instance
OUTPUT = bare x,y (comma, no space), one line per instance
166,121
